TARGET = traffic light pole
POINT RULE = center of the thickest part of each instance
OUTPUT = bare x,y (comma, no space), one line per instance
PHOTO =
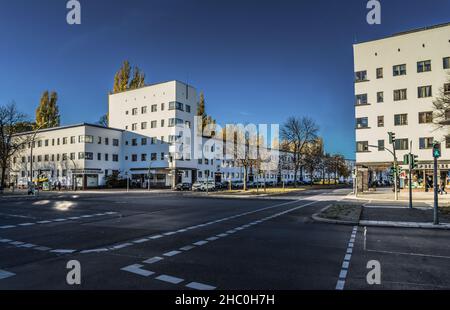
410,180
395,174
436,184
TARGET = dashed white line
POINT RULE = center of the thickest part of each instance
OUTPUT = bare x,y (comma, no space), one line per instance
200,243
170,279
136,269
340,285
153,260
200,286
171,253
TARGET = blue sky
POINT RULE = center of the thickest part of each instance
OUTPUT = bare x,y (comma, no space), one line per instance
257,61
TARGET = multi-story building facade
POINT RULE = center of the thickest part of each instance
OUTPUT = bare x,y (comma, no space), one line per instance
146,127
397,80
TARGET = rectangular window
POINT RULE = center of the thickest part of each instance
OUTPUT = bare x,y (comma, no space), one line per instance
134,111
188,124
46,142
143,157
360,76
400,94
188,108
89,156
115,157
446,62
362,146
361,99
380,145
72,140
99,156
401,144
134,126
72,156
176,105
426,143
399,70
447,89
86,139
380,97
106,141
153,124
144,125
379,73
425,117
154,108
144,110
143,141
134,142
362,122
401,119
99,140
134,157
424,66
106,157
424,91
162,106
153,156
162,123
115,142
380,121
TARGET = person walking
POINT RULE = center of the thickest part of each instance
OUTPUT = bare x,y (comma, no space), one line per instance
442,188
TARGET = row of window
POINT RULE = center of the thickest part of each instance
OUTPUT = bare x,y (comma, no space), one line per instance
400,144
154,124
173,105
73,140
399,120
399,70
402,94
66,156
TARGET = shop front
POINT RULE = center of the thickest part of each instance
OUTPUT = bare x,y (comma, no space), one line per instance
84,179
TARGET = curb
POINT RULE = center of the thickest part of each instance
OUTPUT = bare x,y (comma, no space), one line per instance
443,226
362,198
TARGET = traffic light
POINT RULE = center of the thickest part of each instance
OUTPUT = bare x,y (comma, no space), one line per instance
391,137
436,150
414,161
406,159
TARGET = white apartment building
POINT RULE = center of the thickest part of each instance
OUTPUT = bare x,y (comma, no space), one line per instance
397,80
144,125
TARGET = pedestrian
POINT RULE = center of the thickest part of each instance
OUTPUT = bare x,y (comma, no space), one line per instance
59,186
442,189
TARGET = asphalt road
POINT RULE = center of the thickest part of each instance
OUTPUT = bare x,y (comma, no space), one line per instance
170,241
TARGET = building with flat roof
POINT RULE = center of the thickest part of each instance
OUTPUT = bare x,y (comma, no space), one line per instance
397,78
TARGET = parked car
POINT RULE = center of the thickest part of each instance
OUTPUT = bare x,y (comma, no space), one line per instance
203,186
237,184
183,187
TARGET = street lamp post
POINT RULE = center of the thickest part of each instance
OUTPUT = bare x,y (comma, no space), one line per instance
149,175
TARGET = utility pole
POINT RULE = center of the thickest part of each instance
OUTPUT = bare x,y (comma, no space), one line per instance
436,155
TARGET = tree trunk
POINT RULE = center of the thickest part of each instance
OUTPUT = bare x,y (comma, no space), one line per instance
245,178
2,184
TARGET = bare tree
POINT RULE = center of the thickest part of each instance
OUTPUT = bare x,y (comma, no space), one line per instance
296,133
441,107
11,123
313,157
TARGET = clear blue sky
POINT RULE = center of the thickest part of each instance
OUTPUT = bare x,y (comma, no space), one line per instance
257,60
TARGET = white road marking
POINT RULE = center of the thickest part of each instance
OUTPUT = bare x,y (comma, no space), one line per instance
200,286
156,237
212,239
26,224
5,274
171,253
200,243
7,226
187,248
136,268
153,260
121,246
62,251
42,248
140,240
94,251
340,285
170,279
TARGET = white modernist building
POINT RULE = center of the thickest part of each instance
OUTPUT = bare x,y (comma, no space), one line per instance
146,127
397,80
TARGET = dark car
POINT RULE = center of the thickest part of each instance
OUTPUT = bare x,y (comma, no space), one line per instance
183,187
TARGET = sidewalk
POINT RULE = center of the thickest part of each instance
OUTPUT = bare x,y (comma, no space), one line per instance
387,194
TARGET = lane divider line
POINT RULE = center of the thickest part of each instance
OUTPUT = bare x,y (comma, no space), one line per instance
340,285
